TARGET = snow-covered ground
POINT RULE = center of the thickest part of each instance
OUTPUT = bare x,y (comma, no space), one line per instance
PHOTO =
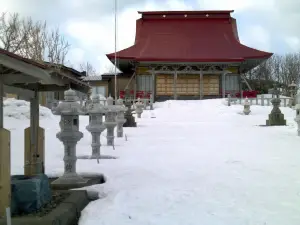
197,162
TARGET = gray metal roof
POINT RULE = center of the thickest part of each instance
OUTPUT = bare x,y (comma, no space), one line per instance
92,78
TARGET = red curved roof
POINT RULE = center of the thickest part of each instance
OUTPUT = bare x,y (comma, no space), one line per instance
188,36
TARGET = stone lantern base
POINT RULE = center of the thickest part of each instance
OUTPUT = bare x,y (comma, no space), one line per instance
130,121
276,119
86,180
69,179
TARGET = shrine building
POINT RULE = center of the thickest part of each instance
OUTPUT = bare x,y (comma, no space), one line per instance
184,55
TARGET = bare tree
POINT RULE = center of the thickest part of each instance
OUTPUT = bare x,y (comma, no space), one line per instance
90,70
12,32
32,39
56,47
111,69
34,46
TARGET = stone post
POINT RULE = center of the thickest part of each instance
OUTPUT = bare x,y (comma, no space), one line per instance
151,102
69,110
139,108
96,126
229,99
120,117
110,120
246,107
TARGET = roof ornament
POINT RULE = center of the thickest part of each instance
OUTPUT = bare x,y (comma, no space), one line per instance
165,68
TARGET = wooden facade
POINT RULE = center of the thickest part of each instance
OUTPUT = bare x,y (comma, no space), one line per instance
192,84
168,85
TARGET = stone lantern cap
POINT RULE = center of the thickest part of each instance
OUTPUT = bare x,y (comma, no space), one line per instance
69,106
246,101
110,107
120,101
293,85
139,102
95,107
120,105
110,100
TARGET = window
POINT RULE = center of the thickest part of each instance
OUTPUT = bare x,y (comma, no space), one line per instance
232,82
144,83
99,90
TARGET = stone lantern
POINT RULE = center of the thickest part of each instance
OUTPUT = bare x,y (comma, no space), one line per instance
297,119
96,126
139,108
120,117
293,91
151,102
297,108
130,120
87,100
110,120
276,118
247,107
69,110
229,100
54,104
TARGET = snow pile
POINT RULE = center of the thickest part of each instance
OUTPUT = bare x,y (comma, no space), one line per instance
20,109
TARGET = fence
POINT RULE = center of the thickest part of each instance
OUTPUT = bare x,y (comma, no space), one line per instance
261,100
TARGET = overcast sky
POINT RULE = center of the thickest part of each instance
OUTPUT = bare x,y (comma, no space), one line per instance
270,25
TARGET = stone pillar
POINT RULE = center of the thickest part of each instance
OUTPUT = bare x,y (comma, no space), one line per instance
120,117
95,110
69,110
139,108
110,121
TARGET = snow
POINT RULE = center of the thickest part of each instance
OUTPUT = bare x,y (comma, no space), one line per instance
196,162
20,109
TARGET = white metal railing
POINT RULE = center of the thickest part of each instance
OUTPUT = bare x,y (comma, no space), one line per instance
260,100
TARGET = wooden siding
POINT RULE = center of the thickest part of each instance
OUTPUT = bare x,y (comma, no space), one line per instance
188,85
164,84
211,85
